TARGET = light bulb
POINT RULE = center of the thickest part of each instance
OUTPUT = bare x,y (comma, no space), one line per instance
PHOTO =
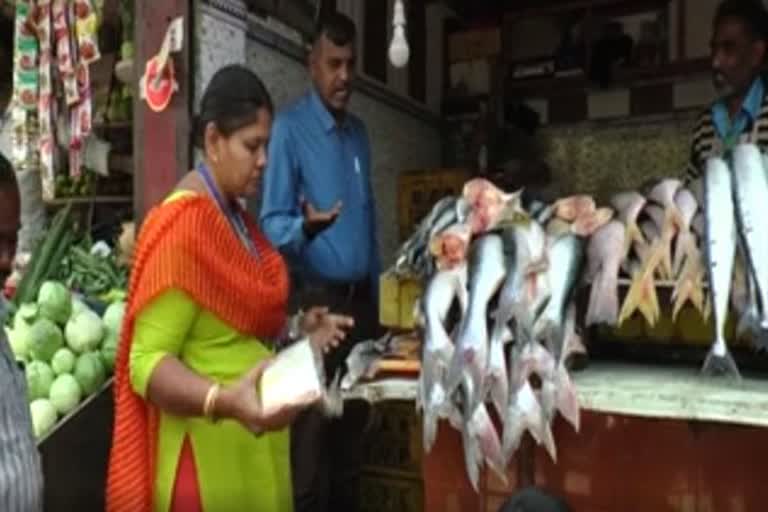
399,52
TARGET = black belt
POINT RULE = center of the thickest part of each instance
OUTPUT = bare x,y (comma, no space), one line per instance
347,291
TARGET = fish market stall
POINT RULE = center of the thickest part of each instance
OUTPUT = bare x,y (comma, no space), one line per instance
510,293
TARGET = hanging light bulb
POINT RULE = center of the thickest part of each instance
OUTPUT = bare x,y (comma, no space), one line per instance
398,48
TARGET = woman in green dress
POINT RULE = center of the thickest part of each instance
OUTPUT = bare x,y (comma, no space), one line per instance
206,307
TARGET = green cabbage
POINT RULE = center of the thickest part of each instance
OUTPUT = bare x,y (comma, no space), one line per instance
63,361
39,379
113,317
109,351
19,342
27,312
84,331
43,416
65,394
45,339
90,372
55,302
78,305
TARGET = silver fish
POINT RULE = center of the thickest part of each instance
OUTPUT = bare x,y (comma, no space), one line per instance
628,206
721,248
566,255
751,191
439,295
486,273
605,248
686,241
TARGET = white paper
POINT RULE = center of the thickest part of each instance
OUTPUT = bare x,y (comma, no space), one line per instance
293,379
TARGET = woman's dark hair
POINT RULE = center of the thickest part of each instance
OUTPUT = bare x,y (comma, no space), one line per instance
751,13
233,99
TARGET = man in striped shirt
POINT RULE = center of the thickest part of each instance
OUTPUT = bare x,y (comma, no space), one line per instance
21,479
740,113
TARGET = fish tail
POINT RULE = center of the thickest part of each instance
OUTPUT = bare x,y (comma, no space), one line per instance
720,363
632,234
681,294
429,427
603,300
682,249
549,441
490,446
472,456
568,399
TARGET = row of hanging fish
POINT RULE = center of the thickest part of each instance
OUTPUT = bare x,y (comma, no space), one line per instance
706,240
497,309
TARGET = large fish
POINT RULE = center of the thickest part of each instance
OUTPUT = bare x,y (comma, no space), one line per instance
566,255
628,206
486,273
686,240
721,247
572,207
439,295
751,192
605,247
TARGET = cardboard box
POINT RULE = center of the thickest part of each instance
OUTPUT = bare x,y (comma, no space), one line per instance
474,44
398,298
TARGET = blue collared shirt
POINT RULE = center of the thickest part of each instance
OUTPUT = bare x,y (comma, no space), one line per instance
313,157
729,130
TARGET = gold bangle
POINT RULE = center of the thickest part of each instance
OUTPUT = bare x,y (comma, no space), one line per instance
210,401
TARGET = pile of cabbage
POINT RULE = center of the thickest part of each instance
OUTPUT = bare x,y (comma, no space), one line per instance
68,351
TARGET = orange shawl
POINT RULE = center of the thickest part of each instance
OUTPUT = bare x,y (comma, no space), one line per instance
186,244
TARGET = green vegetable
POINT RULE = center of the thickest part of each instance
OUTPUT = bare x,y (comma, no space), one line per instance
113,317
39,379
90,372
43,416
43,262
63,361
54,301
78,305
18,339
45,339
109,351
65,393
84,331
27,312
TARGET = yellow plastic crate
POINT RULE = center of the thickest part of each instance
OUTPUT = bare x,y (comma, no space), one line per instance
397,301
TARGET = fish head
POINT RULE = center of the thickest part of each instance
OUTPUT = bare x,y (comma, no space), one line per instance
664,191
449,247
570,208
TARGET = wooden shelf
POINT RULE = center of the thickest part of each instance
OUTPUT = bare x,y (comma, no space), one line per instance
90,199
529,8
624,77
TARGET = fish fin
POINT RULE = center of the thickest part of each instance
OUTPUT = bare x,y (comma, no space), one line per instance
681,250
720,365
603,300
490,446
472,456
632,234
681,294
568,399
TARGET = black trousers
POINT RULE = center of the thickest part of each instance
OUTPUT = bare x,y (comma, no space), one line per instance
327,454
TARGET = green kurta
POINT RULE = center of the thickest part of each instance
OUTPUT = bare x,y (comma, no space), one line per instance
235,469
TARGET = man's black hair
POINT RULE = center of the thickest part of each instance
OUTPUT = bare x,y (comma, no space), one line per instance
532,499
337,27
751,13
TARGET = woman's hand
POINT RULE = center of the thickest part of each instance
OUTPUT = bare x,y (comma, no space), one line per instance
325,330
241,402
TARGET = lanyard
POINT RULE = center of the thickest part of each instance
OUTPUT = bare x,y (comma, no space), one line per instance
235,220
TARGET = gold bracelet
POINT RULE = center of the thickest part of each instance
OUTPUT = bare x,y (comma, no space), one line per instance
210,401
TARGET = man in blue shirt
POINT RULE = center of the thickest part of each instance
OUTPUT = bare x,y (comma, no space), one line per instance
740,112
318,209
